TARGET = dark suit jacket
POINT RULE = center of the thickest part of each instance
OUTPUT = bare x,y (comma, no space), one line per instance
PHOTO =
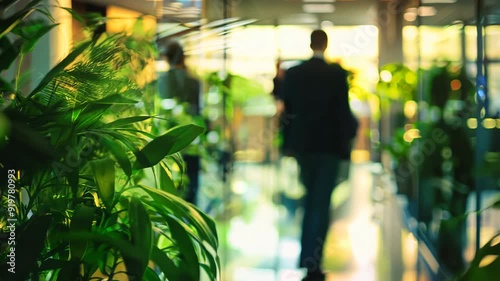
317,106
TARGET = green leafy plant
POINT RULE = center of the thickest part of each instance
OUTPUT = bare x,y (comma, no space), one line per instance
89,193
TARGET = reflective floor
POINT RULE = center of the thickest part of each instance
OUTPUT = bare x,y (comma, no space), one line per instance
259,226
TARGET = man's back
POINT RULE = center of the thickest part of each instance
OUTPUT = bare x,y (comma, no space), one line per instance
317,99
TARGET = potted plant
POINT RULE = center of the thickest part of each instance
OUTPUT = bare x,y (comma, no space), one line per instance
90,196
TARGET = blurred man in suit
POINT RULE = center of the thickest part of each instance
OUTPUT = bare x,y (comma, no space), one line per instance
320,133
186,90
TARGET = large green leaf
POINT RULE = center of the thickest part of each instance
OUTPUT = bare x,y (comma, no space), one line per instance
90,115
189,259
118,151
195,224
9,52
164,201
150,275
104,175
486,263
30,240
166,265
142,239
126,121
82,219
165,179
169,143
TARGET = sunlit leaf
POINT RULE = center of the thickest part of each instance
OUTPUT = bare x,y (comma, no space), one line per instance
171,142
126,121
165,179
104,175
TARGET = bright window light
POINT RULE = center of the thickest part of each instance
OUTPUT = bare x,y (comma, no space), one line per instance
318,8
438,1
318,1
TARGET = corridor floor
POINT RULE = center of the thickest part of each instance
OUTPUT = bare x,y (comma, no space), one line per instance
259,225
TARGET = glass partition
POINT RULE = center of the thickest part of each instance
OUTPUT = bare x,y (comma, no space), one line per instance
452,163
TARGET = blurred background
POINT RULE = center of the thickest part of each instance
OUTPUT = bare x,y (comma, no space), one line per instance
420,196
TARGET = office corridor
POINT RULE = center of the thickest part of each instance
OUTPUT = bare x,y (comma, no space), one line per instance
260,228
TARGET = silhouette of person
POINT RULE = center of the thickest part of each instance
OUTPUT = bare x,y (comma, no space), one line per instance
185,89
320,131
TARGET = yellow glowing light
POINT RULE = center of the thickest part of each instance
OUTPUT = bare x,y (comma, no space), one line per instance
472,123
386,76
498,123
489,123
411,134
456,84
410,109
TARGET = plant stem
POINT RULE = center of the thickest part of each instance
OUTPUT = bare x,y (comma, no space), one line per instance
18,74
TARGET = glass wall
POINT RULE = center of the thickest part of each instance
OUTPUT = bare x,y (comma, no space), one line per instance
451,163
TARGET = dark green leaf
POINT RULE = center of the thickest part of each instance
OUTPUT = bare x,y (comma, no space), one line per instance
90,115
122,245
30,241
9,52
166,265
54,72
70,272
203,225
120,137
489,271
119,153
104,175
169,143
188,256
150,275
5,86
142,239
496,205
82,219
52,264
126,121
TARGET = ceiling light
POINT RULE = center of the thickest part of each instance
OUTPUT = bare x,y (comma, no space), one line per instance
318,8
427,11
318,1
424,11
438,1
409,16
